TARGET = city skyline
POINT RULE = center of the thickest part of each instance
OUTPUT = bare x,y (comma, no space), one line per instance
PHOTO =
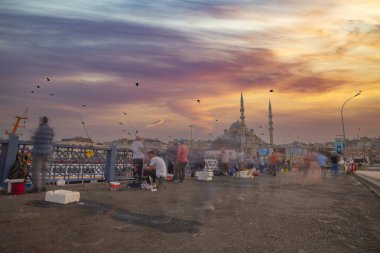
160,67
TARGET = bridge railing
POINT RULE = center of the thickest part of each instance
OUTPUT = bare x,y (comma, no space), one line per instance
72,163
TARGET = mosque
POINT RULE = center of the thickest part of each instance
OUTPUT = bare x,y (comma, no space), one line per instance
245,138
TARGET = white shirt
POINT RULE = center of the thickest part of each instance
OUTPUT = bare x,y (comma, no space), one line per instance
159,165
241,156
224,157
137,154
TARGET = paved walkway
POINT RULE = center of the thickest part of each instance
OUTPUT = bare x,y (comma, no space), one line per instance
370,176
287,213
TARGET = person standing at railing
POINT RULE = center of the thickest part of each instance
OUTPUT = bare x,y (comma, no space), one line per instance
42,147
180,165
138,155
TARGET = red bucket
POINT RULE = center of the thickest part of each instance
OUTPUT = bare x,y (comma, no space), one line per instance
18,188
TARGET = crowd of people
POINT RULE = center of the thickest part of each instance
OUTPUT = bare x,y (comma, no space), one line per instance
149,165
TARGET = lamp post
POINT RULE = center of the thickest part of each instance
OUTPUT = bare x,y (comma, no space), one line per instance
191,136
341,113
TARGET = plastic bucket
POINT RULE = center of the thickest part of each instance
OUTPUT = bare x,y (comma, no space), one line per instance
114,186
18,188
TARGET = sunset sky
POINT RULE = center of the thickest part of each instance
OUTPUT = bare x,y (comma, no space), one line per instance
314,54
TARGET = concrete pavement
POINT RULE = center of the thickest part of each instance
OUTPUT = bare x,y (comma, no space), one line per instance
286,213
370,176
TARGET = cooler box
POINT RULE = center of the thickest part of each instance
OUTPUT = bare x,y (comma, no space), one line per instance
62,196
18,188
14,181
205,175
243,174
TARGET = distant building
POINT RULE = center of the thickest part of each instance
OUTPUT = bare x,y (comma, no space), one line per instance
239,136
79,141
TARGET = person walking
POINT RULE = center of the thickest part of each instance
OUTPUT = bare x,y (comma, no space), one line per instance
138,156
322,159
182,153
42,147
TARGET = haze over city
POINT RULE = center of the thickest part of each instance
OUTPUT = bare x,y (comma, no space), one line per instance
121,66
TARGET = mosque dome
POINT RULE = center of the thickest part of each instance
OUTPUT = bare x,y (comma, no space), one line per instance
236,125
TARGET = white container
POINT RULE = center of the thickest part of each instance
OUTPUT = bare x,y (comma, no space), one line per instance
60,182
62,196
205,176
243,174
201,178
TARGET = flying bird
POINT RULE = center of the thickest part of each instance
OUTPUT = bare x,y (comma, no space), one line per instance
38,86
125,113
198,100
51,94
137,84
120,123
271,91
32,91
216,119
83,105
137,132
47,79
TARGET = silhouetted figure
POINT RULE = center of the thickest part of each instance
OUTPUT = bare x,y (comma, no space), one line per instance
42,148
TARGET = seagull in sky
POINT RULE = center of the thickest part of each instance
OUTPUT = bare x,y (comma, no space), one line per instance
271,91
32,91
51,94
137,84
38,86
120,123
83,105
125,113
216,119
47,79
198,100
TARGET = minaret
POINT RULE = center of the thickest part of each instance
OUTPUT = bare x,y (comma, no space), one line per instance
242,125
270,116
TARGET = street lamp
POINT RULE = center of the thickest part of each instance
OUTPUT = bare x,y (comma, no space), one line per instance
341,113
191,136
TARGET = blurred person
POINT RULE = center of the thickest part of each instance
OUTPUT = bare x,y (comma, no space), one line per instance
322,159
42,148
225,162
273,160
314,169
182,159
138,156
155,169
334,160
262,164
241,159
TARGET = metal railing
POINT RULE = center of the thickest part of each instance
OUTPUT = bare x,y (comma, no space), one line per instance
72,163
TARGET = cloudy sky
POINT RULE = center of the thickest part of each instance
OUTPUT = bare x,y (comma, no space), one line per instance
314,54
